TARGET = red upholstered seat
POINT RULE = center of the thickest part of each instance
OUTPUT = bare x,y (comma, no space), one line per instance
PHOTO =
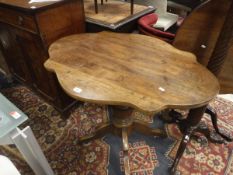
145,27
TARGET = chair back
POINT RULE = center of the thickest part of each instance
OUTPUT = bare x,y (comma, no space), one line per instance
200,30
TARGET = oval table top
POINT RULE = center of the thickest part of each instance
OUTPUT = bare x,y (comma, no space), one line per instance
130,70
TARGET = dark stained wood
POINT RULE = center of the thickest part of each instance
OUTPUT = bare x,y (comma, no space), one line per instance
222,45
27,6
210,26
25,37
200,30
149,75
25,3
207,33
61,21
226,73
190,124
221,62
18,19
3,65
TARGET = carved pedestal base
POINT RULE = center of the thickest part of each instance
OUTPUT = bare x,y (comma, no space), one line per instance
122,124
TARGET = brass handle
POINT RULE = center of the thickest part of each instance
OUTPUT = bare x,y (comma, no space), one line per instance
20,20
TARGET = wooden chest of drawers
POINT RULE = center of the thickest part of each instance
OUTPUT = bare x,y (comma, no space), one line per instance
26,31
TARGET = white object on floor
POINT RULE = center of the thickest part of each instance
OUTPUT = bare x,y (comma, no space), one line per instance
165,21
28,146
7,167
10,118
226,96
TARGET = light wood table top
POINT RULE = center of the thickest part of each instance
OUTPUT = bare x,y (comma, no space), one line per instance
29,4
130,70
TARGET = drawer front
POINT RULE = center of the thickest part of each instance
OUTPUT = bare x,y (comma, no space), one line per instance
18,19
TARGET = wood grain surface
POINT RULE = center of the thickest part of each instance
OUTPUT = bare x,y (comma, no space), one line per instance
111,12
26,35
28,4
130,70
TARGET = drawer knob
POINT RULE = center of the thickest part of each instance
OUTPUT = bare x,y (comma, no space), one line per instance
20,20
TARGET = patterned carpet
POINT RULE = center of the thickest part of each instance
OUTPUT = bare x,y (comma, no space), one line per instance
148,155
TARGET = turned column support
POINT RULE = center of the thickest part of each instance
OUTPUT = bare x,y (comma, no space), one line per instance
122,116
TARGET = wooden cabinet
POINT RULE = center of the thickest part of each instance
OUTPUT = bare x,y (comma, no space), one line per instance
27,30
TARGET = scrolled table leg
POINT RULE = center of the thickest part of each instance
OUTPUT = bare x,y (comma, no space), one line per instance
189,125
214,120
219,135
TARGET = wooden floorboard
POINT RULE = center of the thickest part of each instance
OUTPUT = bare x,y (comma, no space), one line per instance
111,12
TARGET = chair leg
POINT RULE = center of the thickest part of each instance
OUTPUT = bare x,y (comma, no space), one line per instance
131,6
96,6
102,2
194,117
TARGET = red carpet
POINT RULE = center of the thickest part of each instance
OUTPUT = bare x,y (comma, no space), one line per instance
148,155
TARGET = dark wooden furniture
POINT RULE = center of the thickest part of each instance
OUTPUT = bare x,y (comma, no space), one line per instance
130,71
26,31
114,16
221,62
225,76
207,33
200,30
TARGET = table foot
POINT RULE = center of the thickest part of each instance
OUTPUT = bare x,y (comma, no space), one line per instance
214,120
145,129
210,135
217,136
100,132
126,150
96,6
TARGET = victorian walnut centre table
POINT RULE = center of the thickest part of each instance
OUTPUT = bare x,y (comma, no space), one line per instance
132,71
